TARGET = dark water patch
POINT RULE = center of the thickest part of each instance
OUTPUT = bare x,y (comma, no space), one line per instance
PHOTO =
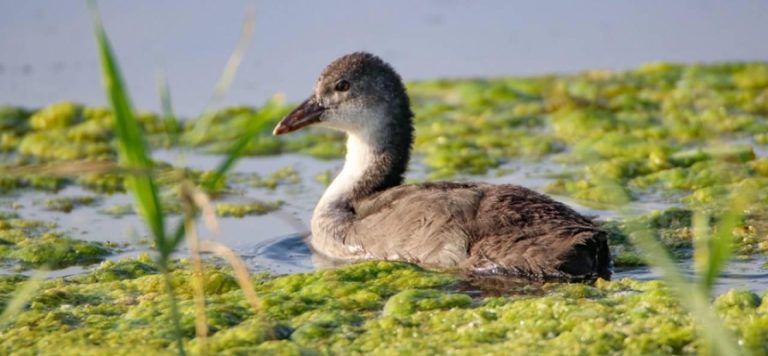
282,255
497,286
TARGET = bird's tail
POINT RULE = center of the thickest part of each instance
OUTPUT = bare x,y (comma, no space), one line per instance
603,260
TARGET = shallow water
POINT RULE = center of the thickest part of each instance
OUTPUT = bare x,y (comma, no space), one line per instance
275,242
91,223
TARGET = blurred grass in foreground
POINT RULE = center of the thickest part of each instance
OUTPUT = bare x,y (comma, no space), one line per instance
712,251
133,154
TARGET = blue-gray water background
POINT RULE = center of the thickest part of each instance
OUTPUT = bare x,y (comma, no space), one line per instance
47,49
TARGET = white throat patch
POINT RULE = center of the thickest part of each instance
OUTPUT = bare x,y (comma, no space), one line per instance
364,132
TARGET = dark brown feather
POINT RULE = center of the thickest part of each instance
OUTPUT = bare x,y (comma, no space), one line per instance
508,230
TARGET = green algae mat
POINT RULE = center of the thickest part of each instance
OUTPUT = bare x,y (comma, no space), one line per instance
373,307
678,138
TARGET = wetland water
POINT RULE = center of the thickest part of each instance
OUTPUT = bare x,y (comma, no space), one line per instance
274,242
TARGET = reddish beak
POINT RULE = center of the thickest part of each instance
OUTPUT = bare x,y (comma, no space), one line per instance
306,114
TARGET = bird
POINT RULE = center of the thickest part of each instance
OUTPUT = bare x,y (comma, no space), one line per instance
368,213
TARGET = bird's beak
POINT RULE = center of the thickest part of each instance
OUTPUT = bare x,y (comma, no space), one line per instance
306,114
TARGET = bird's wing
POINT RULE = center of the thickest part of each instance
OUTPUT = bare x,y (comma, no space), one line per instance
430,224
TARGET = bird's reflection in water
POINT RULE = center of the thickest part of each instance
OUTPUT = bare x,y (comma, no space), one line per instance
498,286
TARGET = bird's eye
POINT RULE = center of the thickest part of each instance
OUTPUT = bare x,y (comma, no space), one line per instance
341,85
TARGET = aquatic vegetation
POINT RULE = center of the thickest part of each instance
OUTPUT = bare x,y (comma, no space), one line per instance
68,131
283,176
56,116
28,244
240,210
673,227
118,210
67,204
13,124
634,128
40,182
372,307
325,178
13,119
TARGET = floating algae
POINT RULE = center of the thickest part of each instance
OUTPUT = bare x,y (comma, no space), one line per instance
240,210
283,176
34,244
67,204
372,307
621,125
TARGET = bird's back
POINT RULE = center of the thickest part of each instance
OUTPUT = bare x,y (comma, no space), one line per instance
483,228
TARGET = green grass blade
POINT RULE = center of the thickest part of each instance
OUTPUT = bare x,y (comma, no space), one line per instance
255,127
235,59
720,250
21,296
134,154
257,124
721,246
230,70
133,148
268,111
702,232
691,297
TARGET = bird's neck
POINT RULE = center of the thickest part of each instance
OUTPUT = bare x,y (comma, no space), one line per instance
376,160
369,168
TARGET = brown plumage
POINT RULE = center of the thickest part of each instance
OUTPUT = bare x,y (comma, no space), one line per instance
482,228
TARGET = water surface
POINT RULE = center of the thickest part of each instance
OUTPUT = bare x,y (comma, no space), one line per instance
275,242
47,52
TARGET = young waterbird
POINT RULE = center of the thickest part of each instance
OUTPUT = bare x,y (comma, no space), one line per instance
367,213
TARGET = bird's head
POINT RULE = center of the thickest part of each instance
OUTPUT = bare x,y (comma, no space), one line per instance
357,93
